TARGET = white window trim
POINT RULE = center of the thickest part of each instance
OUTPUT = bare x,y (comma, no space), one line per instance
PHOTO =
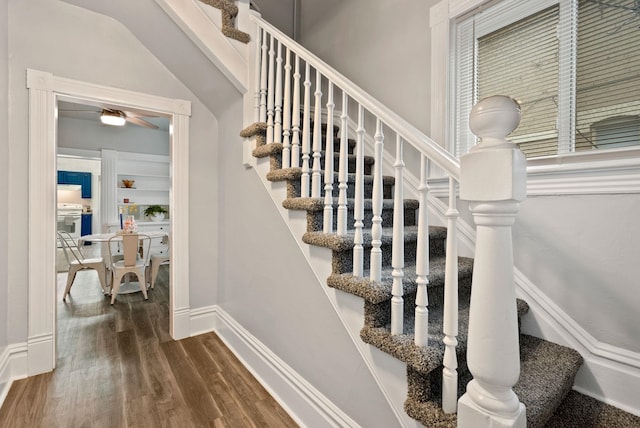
593,172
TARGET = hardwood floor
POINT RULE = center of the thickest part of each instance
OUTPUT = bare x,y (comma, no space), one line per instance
117,366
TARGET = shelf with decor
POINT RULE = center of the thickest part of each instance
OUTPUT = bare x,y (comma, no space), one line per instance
142,179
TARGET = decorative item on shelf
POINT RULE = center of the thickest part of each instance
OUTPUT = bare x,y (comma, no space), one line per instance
128,183
130,225
155,212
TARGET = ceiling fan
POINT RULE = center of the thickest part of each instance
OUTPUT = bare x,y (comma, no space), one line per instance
119,117
114,117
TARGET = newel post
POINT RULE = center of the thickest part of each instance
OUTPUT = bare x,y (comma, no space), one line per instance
493,180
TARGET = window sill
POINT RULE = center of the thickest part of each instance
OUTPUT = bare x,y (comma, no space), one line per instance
587,173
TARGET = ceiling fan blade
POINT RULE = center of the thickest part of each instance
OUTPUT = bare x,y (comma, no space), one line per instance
140,122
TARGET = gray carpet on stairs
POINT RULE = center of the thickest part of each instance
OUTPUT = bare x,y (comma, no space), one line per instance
547,370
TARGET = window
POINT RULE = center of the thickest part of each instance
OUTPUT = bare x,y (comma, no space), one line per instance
574,66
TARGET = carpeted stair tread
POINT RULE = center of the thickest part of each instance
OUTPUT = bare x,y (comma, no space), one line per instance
378,292
256,128
229,11
579,411
547,373
266,150
317,204
336,242
295,173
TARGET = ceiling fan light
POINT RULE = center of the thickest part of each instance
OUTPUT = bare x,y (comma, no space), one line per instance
112,118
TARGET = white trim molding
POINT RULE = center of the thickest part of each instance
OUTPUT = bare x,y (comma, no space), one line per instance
44,91
13,366
304,403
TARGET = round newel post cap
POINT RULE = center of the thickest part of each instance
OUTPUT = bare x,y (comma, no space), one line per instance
494,117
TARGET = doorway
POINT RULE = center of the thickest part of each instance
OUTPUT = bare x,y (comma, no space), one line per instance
45,89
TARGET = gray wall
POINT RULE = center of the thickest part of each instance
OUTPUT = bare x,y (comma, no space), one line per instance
72,42
4,170
369,41
267,286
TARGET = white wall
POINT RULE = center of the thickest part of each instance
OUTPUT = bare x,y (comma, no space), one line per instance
4,170
71,42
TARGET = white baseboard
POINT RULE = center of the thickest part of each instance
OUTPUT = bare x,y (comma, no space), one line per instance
13,366
305,404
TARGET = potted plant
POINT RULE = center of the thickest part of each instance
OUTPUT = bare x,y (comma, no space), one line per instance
155,212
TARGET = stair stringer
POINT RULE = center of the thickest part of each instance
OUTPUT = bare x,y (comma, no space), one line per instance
388,372
229,56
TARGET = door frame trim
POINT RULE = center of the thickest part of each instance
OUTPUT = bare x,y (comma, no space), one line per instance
44,91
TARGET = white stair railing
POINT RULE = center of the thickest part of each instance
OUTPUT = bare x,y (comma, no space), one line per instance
305,153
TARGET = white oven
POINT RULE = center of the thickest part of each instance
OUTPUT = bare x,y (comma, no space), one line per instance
70,219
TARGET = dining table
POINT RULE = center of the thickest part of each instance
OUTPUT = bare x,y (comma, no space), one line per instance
127,286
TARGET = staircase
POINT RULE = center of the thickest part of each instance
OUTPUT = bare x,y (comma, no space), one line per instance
283,133
547,370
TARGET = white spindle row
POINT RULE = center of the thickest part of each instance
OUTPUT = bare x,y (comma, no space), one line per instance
283,101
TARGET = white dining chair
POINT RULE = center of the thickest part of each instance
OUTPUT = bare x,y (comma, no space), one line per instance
158,259
77,262
135,249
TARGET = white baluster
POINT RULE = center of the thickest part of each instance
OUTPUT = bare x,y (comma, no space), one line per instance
397,250
422,258
327,226
317,139
286,131
305,179
375,260
277,122
450,317
343,175
263,78
295,117
493,353
257,74
358,209
271,91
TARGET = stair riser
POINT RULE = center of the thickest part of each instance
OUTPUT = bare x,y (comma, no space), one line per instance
342,261
379,314
315,219
293,189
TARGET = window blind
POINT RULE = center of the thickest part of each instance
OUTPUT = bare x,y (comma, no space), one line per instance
608,74
574,66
